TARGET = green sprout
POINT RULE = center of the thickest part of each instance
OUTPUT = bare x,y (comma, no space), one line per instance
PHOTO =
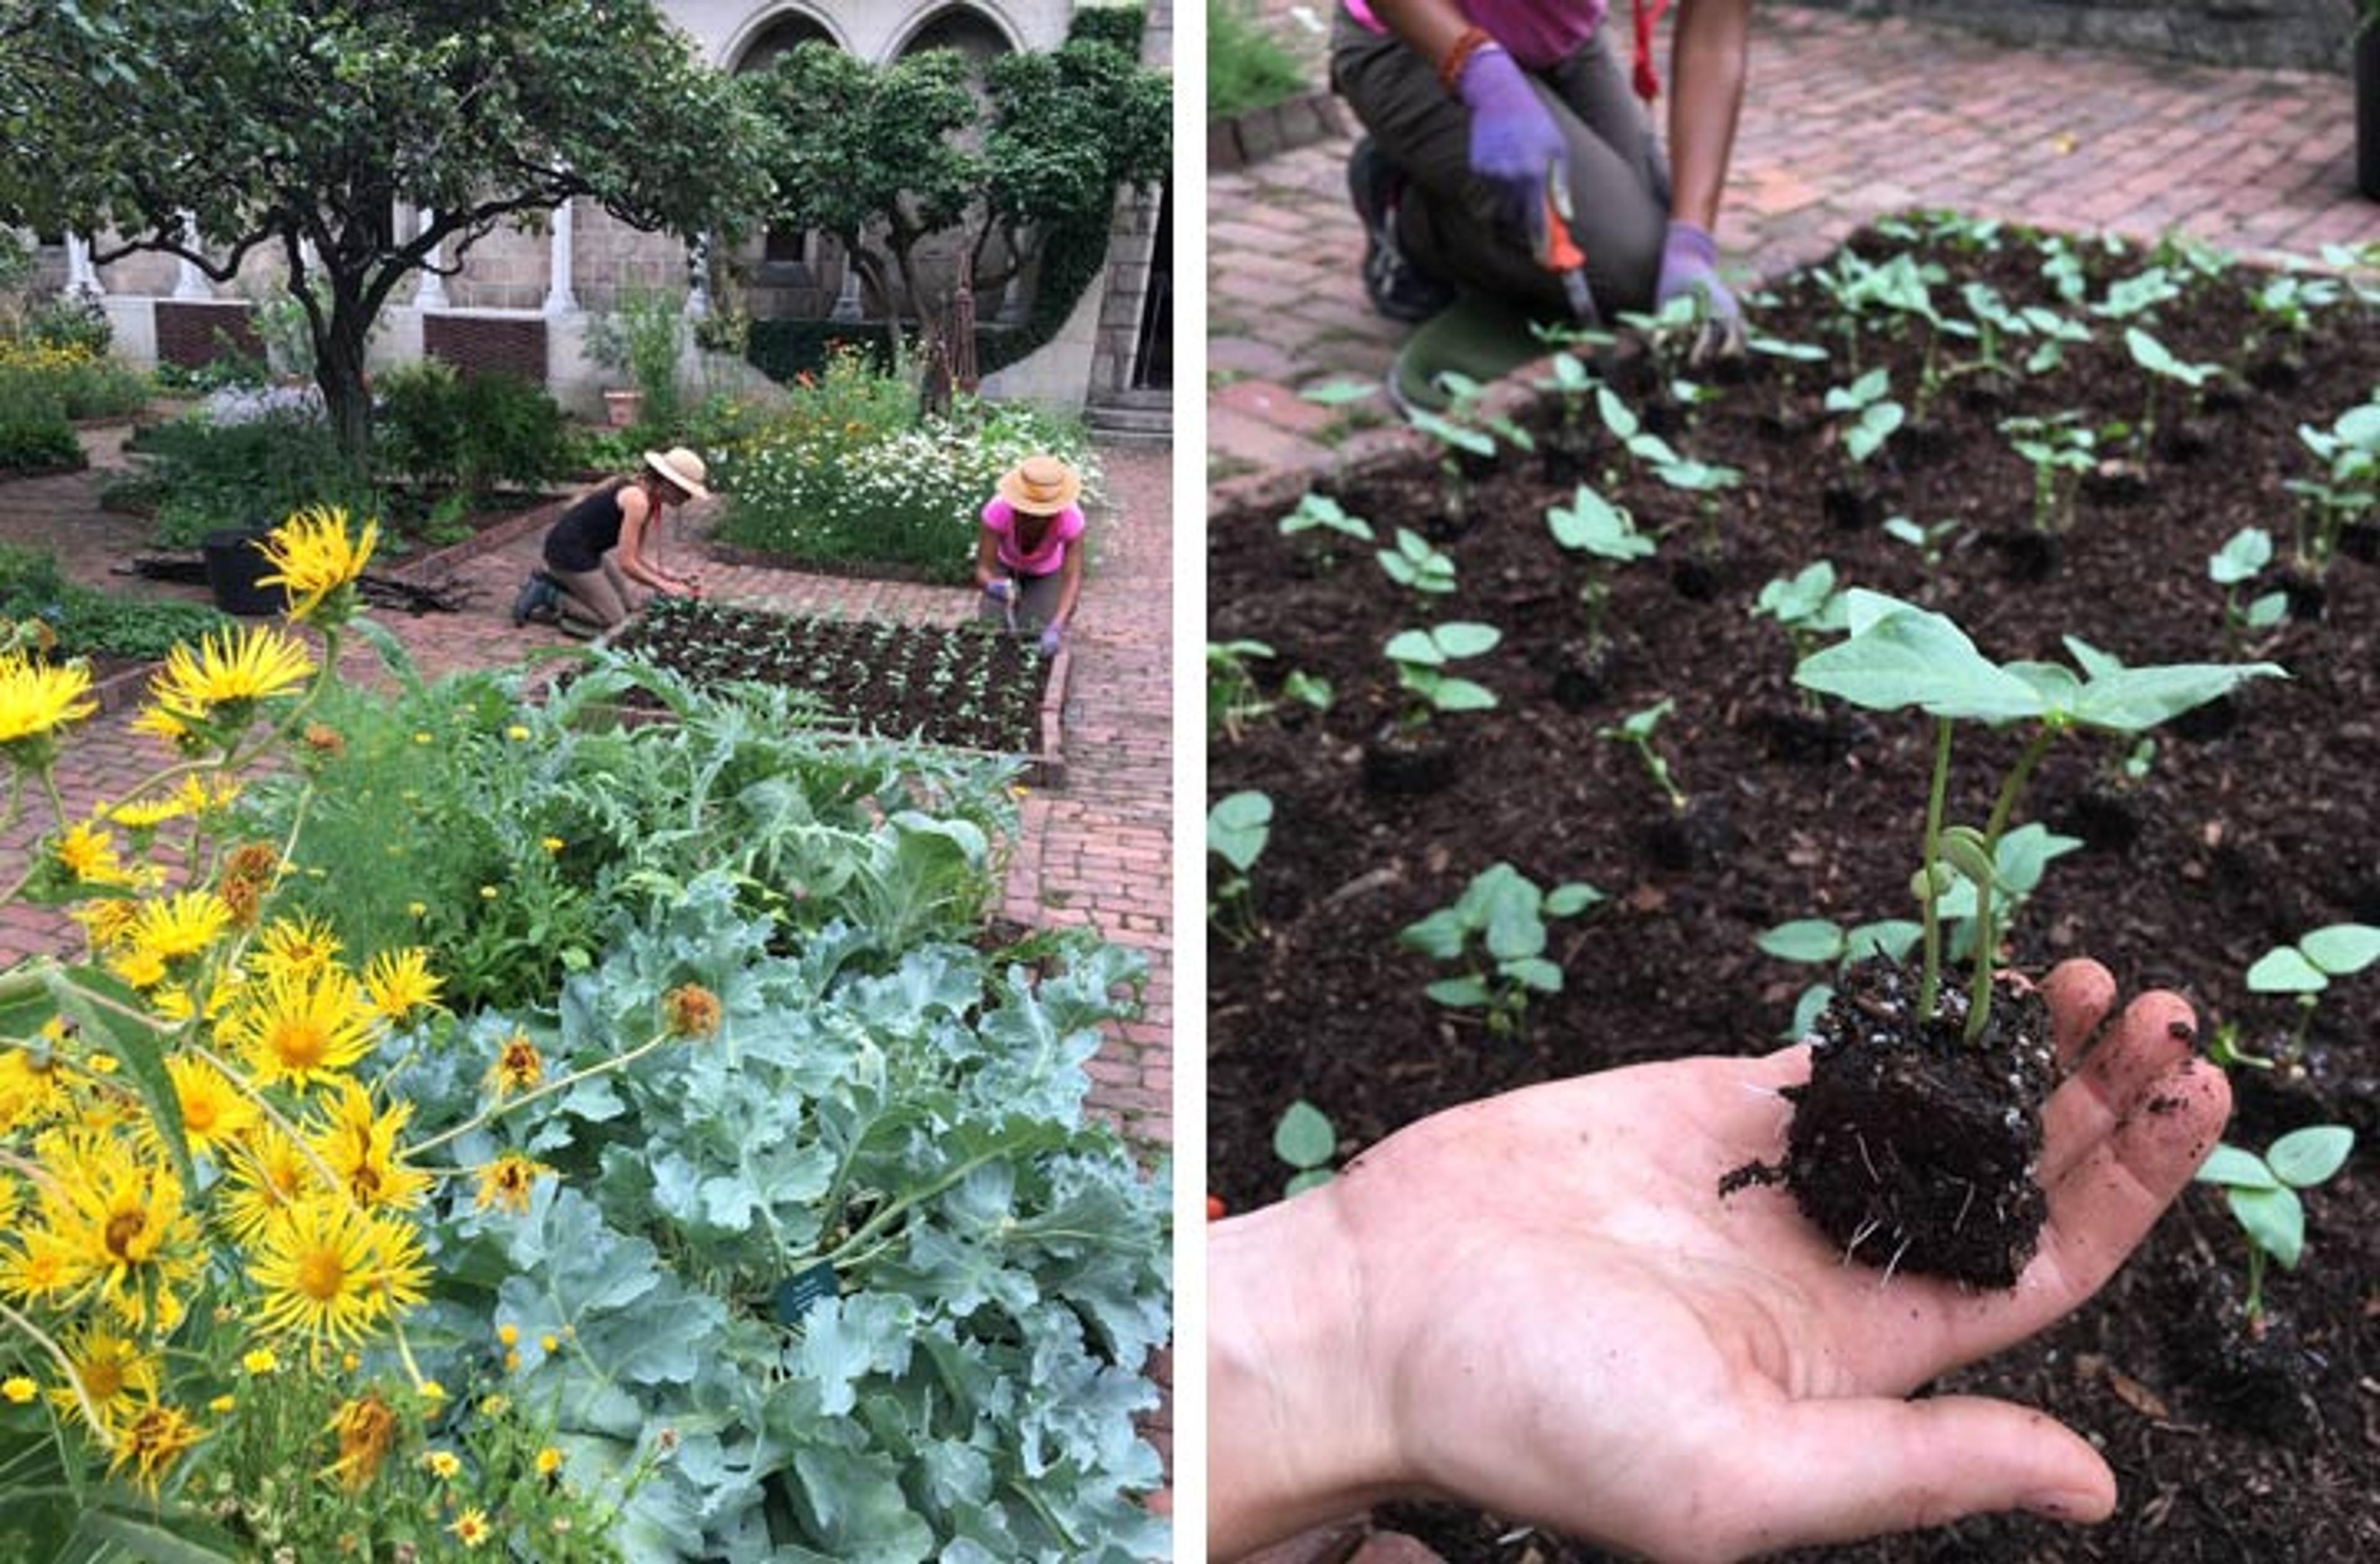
2305,969
1931,542
1320,512
1604,534
2350,451
1876,415
1238,827
1808,604
2242,557
1636,730
1496,929
1307,1142
2061,452
1421,657
1900,657
1417,567
1461,430
2262,1192
1823,941
2158,360
1232,699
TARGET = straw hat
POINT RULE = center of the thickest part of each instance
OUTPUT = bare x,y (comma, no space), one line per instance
681,468
1041,486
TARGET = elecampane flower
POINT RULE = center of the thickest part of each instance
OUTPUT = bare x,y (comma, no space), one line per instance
228,675
301,1027
313,557
331,1273
36,700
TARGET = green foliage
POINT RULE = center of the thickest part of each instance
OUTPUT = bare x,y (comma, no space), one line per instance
2348,487
90,622
2305,968
1604,535
1417,567
1322,514
1305,1140
1635,731
1232,699
825,1247
1238,827
1823,941
2242,557
1808,604
35,435
210,477
1421,657
468,432
646,335
1875,415
1496,929
2262,1193
1247,67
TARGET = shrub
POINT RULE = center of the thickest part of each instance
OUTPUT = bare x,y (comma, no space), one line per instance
1247,67
35,435
211,475
646,336
470,432
90,622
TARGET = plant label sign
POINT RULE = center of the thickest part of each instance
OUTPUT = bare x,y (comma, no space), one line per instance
802,1291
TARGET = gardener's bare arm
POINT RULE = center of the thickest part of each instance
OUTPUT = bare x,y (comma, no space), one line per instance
1539,1303
1070,583
1708,56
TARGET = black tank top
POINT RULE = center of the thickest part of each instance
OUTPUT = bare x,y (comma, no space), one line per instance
587,531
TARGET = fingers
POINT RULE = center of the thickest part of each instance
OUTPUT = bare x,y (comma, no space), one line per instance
2080,994
1833,1471
2102,1205
2155,1033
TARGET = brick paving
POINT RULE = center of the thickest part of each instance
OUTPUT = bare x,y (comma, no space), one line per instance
1845,119
1095,850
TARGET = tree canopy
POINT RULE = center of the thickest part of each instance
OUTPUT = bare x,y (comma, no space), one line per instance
298,126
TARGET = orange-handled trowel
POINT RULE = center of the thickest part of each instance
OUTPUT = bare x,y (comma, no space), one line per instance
1560,254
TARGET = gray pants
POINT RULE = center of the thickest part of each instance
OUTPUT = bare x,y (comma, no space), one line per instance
1036,602
1451,226
604,596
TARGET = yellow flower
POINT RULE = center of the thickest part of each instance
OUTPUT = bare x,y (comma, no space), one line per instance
297,945
442,1464
152,1442
143,969
114,1374
400,982
365,1427
301,1027
181,924
19,1389
107,922
147,814
32,1091
222,682
87,852
518,734
488,892
509,1181
509,1333
312,558
36,700
416,909
548,1461
518,1067
330,1272
215,1114
361,1148
549,1343
221,1406
431,1392
471,1528
259,1360
268,1175
121,1221
552,844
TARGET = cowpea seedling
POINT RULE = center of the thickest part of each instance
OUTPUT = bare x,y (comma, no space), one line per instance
1899,657
1321,513
1496,929
2159,361
2350,451
2242,557
2262,1192
1232,699
1606,535
1417,567
1306,1140
1931,542
1823,941
1635,731
2305,969
1875,415
1238,828
2059,451
1808,604
1421,657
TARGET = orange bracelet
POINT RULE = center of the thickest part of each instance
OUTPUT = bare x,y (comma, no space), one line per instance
1450,70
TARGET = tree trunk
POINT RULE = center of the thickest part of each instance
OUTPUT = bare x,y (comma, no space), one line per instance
339,372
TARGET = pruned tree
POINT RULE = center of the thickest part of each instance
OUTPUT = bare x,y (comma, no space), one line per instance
210,130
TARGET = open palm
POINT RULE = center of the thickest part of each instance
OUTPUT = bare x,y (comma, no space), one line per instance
1570,1325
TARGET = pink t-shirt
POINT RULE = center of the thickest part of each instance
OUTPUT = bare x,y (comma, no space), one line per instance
999,520
1539,33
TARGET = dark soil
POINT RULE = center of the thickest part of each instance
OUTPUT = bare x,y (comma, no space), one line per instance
972,688
2253,826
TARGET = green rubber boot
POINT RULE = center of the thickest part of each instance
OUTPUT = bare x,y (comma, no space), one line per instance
1477,336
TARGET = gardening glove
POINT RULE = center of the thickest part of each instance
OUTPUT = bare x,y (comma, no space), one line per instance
1690,264
1516,149
1052,633
999,591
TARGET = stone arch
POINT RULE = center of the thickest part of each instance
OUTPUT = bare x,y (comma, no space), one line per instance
979,31
773,30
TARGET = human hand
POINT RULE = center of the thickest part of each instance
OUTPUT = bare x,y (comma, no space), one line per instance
1052,633
1539,1302
1515,148
998,589
1690,265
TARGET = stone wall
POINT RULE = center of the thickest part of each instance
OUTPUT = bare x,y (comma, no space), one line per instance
2297,34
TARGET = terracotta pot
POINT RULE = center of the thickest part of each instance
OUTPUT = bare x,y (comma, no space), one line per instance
623,408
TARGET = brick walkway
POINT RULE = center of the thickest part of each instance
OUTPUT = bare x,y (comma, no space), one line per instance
1845,119
1095,850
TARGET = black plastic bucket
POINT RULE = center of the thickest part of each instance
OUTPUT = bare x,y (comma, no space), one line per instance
235,563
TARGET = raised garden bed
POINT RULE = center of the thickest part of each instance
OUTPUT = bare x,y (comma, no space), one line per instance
2249,826
972,686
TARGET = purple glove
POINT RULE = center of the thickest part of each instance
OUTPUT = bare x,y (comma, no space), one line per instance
999,588
1690,264
1050,635
1515,145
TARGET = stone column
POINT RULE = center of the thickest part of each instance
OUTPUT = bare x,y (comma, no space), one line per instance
83,277
698,283
432,293
188,281
560,298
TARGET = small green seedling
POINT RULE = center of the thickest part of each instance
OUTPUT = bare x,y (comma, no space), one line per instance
2158,360
2061,452
2139,296
1931,542
1232,700
1307,1142
1307,689
1455,440
2019,863
1823,941
1320,512
2305,969
1899,657
1238,828
1605,536
2224,1050
1496,929
1808,604
2137,762
2350,451
1421,657
2262,1194
1636,730
1874,413
2243,556
1789,353
1417,567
